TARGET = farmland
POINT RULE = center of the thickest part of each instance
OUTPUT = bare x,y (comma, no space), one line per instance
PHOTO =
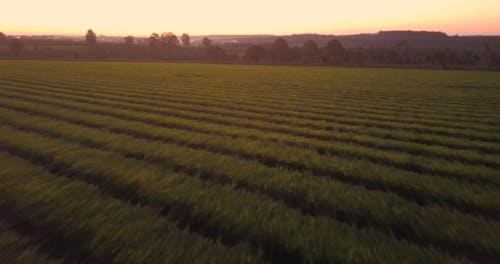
194,163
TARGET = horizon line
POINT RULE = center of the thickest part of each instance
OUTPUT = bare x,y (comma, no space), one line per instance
255,34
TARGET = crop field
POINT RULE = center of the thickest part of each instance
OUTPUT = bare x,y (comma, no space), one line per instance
115,162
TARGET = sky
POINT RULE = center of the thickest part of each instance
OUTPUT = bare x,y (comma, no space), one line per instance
278,17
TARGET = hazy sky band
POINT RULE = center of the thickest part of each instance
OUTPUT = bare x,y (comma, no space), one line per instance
140,18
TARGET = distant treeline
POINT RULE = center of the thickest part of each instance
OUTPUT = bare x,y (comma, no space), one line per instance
168,46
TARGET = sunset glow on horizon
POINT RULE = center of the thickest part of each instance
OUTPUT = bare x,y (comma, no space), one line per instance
249,17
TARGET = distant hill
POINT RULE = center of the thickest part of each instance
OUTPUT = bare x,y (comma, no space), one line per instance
382,39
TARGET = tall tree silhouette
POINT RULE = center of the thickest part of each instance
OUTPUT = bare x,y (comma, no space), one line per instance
90,37
335,51
186,40
154,40
206,42
280,49
402,49
2,36
169,39
486,55
310,51
129,41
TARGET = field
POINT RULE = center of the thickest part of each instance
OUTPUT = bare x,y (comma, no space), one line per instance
192,163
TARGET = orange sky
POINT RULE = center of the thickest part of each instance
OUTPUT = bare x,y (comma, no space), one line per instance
140,18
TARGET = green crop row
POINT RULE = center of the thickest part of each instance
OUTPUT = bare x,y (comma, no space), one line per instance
431,224
219,209
243,99
331,123
263,95
400,147
380,94
464,196
19,248
346,117
420,164
237,108
88,224
460,143
400,160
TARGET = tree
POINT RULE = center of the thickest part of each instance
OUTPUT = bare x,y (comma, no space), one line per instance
154,40
452,57
469,58
90,37
215,52
2,36
212,51
255,53
281,51
129,41
495,60
356,55
335,51
169,39
403,50
186,40
485,55
438,56
310,51
294,53
206,42
16,46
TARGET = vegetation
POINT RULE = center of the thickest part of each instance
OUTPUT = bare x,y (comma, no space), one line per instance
396,49
129,41
16,46
242,164
90,37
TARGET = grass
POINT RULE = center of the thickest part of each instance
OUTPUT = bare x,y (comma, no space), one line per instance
233,163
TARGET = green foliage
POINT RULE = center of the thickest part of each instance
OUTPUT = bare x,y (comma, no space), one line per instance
129,40
335,51
283,231
20,248
186,40
16,46
72,211
232,164
311,194
280,50
255,53
90,37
